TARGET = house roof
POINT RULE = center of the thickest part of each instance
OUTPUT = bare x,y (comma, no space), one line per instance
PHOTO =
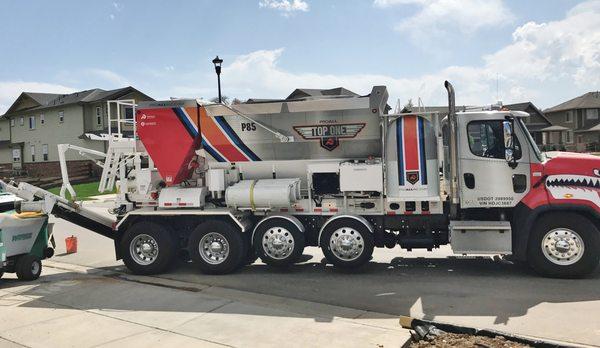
42,98
49,100
595,128
555,129
310,92
589,100
524,106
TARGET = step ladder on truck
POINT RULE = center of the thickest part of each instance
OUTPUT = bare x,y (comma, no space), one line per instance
226,184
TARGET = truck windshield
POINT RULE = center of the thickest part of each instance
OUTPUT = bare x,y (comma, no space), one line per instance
536,150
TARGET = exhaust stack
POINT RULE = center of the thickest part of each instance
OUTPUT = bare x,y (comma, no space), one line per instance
453,148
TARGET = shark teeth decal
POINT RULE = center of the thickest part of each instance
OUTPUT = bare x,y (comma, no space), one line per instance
588,182
571,187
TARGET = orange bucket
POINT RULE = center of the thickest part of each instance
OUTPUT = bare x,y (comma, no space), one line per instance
71,244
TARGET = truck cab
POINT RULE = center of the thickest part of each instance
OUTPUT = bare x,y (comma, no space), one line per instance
551,200
490,179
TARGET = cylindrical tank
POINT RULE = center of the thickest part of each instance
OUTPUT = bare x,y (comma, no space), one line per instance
263,194
411,155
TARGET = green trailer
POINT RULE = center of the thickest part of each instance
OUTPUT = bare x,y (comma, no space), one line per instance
24,244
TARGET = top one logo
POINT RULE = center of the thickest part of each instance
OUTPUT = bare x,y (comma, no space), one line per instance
329,135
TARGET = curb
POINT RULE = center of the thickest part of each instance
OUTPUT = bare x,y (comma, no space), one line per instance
411,323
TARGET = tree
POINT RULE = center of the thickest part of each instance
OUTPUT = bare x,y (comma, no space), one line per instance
224,98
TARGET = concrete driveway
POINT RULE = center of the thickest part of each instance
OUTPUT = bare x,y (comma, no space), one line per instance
480,293
74,306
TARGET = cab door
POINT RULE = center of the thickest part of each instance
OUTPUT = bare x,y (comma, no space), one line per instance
486,178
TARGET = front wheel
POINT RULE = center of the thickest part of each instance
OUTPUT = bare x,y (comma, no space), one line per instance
217,247
28,267
347,243
564,245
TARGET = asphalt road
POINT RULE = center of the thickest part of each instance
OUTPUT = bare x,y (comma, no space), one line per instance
478,292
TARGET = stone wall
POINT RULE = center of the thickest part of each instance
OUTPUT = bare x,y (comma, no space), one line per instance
77,169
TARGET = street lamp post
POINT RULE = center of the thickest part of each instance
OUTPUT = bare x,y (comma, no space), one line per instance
217,62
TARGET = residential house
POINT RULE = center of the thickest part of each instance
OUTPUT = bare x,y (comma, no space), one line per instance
546,135
581,116
36,123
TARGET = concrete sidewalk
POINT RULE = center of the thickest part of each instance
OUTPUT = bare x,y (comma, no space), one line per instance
74,306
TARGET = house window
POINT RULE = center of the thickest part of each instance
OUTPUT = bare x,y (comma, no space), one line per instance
569,137
61,116
21,120
486,139
31,122
12,122
569,117
45,151
98,115
129,113
42,119
591,114
32,153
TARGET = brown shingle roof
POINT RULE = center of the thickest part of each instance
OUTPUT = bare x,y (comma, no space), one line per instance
590,100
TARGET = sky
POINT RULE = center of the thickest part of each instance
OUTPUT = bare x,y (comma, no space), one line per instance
510,50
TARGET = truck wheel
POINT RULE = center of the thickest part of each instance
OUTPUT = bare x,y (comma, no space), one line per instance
278,242
564,246
28,267
217,247
148,248
347,243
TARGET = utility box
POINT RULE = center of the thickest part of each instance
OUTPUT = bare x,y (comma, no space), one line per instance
361,177
176,197
481,237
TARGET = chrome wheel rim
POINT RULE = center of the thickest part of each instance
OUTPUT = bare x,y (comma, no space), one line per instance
563,246
213,248
35,267
346,244
143,249
278,243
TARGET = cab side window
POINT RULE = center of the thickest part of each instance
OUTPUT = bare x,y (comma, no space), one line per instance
486,139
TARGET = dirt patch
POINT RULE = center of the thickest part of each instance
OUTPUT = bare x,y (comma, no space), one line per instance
447,340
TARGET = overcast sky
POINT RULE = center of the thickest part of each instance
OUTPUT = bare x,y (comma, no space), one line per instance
543,51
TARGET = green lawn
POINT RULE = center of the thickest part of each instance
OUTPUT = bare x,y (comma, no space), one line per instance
83,191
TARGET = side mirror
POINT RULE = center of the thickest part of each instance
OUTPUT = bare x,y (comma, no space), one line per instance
509,144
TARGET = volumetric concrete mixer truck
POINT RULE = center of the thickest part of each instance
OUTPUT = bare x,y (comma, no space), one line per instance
224,184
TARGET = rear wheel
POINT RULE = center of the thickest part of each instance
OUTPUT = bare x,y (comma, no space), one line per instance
278,242
347,243
28,267
217,247
148,248
564,245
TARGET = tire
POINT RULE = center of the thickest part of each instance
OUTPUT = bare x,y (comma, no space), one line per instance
575,234
217,247
28,267
350,230
278,242
148,248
